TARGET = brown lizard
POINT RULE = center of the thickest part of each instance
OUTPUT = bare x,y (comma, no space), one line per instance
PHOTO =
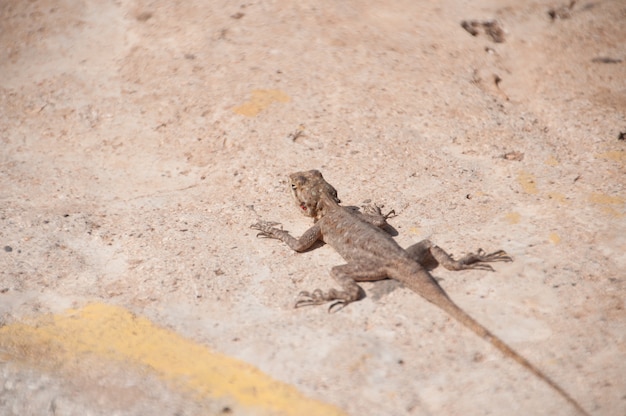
372,254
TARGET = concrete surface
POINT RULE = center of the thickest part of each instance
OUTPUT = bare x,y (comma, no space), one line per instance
141,139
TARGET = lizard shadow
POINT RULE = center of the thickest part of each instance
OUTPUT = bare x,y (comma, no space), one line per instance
314,246
390,230
381,288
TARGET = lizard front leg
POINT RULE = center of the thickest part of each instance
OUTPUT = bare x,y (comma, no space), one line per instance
430,256
268,230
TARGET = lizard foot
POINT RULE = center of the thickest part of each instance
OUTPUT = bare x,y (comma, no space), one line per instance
372,213
267,229
318,297
307,299
375,211
390,214
477,260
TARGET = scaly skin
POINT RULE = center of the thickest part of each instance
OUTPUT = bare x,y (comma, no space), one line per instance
372,254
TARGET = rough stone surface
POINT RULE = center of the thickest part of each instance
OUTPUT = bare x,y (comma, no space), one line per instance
141,139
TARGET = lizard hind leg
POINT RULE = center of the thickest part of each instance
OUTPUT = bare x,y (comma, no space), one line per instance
347,275
429,256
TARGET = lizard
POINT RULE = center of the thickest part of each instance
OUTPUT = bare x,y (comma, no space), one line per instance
372,254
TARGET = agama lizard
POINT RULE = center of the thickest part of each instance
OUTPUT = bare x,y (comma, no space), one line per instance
372,254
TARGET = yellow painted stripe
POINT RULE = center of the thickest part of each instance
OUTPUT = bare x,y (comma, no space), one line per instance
260,100
113,333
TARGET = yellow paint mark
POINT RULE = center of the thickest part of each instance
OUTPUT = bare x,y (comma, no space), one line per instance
115,334
557,196
604,199
617,155
260,100
414,230
551,161
513,217
527,182
554,238
613,212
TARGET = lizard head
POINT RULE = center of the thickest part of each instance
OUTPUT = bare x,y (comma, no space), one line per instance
310,190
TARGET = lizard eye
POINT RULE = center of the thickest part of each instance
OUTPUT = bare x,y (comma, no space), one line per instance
293,186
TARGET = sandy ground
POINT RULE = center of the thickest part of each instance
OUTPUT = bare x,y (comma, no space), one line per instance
141,139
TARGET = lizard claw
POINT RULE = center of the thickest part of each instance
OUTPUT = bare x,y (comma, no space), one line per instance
340,304
318,297
266,229
478,260
262,225
307,299
375,211
480,266
499,255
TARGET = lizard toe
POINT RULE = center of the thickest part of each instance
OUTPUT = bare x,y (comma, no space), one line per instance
307,299
338,305
499,255
480,266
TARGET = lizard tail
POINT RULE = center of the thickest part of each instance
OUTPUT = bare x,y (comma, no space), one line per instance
457,313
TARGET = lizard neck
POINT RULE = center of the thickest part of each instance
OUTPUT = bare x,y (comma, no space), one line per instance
326,204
